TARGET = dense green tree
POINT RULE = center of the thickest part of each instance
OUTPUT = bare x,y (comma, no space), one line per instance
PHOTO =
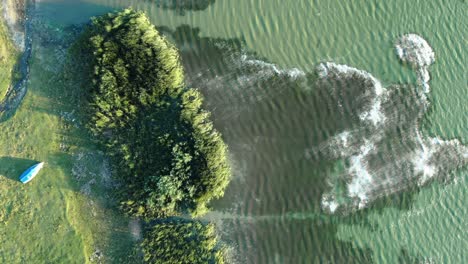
183,243
164,146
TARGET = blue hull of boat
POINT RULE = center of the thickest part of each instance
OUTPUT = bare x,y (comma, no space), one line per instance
30,173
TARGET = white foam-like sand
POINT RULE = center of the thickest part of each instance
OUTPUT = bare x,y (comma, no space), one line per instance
374,114
325,68
344,137
329,203
272,68
415,50
362,178
422,166
421,160
365,184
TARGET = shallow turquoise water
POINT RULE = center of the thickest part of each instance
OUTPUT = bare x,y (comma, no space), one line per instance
271,212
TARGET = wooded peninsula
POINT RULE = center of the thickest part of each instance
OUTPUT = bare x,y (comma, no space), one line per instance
164,149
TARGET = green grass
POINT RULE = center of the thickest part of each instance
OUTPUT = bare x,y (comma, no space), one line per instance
60,216
8,57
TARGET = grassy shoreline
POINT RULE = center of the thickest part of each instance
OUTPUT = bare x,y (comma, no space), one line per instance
62,216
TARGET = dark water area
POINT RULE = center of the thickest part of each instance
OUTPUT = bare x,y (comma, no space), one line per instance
268,115
182,6
246,97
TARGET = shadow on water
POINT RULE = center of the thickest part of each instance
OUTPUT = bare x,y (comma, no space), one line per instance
235,80
11,167
275,122
407,258
268,117
183,6
287,238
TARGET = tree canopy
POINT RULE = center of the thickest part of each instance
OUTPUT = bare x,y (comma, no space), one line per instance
182,242
164,146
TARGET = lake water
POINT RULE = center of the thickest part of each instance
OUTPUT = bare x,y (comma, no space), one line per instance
299,194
